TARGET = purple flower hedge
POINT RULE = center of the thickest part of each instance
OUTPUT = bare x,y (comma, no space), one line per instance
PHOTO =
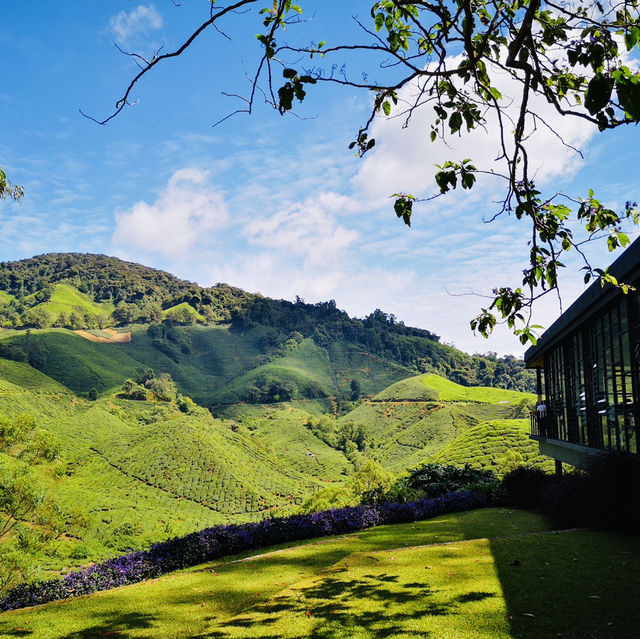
218,541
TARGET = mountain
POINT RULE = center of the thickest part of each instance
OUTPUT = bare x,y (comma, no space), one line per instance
95,292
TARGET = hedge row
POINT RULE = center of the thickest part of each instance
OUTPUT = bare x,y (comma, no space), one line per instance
219,541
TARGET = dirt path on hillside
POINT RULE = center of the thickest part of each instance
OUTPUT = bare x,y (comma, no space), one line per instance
119,338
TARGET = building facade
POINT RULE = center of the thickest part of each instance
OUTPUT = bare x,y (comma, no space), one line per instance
588,366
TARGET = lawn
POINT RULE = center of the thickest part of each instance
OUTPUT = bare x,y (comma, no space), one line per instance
493,573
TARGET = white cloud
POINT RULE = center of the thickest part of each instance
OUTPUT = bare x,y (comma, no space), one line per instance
300,248
141,20
404,158
185,214
309,229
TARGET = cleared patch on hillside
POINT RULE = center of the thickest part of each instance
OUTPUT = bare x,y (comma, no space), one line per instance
186,309
108,335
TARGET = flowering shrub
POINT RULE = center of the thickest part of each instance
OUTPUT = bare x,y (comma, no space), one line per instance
218,541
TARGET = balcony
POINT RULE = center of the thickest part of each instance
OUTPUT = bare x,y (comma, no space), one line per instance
544,429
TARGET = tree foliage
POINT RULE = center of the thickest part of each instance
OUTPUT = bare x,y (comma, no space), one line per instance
446,56
29,517
8,190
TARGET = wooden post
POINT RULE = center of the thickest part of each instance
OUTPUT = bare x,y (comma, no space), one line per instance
558,468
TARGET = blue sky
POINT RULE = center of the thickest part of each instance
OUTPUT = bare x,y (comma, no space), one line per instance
276,205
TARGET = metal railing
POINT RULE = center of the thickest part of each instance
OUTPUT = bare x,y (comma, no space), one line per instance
543,425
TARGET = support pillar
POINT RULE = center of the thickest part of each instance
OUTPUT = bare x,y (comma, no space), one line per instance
539,382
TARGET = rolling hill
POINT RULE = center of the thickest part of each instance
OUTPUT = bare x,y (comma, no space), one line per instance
274,385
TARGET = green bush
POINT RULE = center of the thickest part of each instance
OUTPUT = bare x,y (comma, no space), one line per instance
524,486
433,480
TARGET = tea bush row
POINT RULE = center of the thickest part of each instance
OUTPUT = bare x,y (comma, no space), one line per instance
219,541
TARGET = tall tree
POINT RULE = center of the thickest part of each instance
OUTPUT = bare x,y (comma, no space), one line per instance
445,56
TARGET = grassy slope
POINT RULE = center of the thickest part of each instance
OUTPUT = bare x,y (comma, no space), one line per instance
67,299
282,425
150,468
331,370
78,363
184,306
415,418
433,387
453,577
5,298
494,445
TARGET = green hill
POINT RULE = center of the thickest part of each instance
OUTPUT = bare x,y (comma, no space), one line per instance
276,385
497,445
414,419
435,387
68,300
84,291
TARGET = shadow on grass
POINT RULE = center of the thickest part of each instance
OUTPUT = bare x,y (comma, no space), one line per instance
5,631
116,625
570,584
341,607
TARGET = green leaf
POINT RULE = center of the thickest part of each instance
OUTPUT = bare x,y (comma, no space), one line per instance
629,97
386,107
455,121
289,73
631,37
598,93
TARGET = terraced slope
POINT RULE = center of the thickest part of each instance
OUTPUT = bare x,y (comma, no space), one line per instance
283,427
494,445
143,471
414,419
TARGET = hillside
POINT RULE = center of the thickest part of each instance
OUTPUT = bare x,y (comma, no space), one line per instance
85,291
142,471
220,406
415,419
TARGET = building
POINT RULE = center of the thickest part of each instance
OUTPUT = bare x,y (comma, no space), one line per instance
587,365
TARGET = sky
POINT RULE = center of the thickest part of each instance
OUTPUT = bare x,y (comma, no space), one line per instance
271,204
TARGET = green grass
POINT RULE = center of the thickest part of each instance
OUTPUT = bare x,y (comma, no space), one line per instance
451,392
431,387
67,299
26,377
492,573
184,306
333,579
78,363
412,389
6,298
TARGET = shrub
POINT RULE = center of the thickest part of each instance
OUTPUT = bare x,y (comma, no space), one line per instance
607,494
432,480
614,485
524,486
